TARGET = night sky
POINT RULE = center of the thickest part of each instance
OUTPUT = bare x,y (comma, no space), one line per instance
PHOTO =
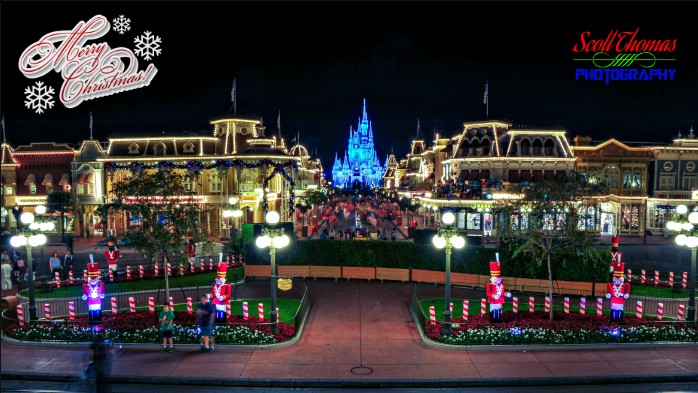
316,61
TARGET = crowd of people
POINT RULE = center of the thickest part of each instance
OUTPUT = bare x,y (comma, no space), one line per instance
13,266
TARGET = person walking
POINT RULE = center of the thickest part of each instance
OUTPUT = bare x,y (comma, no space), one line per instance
69,244
16,268
6,273
101,362
67,264
55,264
166,318
205,315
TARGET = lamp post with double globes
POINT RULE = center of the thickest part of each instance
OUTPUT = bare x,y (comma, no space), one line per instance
234,212
31,238
687,238
447,237
274,238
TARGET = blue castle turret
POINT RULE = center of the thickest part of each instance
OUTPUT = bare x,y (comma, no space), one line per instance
360,161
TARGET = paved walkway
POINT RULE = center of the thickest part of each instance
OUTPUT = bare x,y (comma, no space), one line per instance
368,325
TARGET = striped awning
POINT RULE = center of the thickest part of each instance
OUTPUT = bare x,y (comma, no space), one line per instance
9,178
31,179
526,176
474,175
48,180
65,180
547,174
484,174
537,175
90,178
464,174
514,176
81,178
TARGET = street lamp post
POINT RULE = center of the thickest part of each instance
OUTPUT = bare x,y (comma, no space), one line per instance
234,212
687,237
30,238
447,237
273,238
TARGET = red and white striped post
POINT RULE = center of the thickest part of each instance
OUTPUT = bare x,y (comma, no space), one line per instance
684,280
227,259
671,279
583,305
599,307
70,276
157,270
47,311
169,269
128,273
643,276
20,315
450,309
660,310
228,311
181,270
681,313
630,275
432,314
638,309
141,271
192,269
260,310
466,309
84,276
547,304
515,305
483,306
111,275
566,305
57,278
202,265
114,308
132,304
190,309
151,305
210,264
531,304
172,303
71,310
278,315
245,310
656,278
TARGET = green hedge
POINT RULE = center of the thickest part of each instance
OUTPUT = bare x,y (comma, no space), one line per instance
399,254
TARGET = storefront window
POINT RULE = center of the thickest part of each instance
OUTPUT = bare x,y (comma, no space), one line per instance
625,219
591,218
626,179
637,180
660,214
635,218
474,221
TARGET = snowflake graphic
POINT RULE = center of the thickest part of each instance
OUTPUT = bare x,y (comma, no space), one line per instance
122,24
148,45
39,97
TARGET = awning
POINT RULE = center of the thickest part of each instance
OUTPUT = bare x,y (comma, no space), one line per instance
484,174
526,176
547,174
90,178
561,175
474,175
514,176
537,175
464,174
81,178
48,180
65,180
31,179
9,178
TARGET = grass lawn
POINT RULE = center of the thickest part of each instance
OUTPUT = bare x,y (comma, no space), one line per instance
474,308
650,291
135,285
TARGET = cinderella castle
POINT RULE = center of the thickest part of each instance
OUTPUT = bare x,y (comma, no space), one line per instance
360,163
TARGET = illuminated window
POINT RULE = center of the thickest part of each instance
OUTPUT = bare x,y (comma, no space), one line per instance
668,166
537,147
215,185
689,182
525,148
666,182
9,190
32,189
626,179
637,180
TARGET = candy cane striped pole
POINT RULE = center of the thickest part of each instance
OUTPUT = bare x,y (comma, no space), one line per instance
171,303
515,305
57,278
451,308
643,276
192,270
278,316
47,311
583,305
132,304
656,278
680,315
531,304
190,309
181,270
111,275
202,265
671,279
228,311
466,309
84,276
20,315
684,280
141,271
260,311
210,264
547,304
599,307
114,308
638,309
432,314
660,310
169,269
566,305
70,276
71,310
245,311
157,270
630,275
128,273
483,306
151,305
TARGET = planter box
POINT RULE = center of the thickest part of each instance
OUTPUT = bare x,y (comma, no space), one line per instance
430,276
293,271
325,272
367,273
257,271
384,273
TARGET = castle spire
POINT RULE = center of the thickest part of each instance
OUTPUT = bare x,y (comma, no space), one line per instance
365,116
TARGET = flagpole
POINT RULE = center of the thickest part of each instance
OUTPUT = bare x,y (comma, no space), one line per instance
91,126
487,90
235,101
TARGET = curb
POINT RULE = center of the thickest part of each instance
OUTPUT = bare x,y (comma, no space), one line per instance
541,347
361,383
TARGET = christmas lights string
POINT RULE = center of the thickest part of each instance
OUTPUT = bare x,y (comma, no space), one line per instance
194,165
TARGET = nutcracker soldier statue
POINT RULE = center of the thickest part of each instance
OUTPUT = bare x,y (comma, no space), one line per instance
615,254
496,292
93,292
221,293
190,248
112,254
617,291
